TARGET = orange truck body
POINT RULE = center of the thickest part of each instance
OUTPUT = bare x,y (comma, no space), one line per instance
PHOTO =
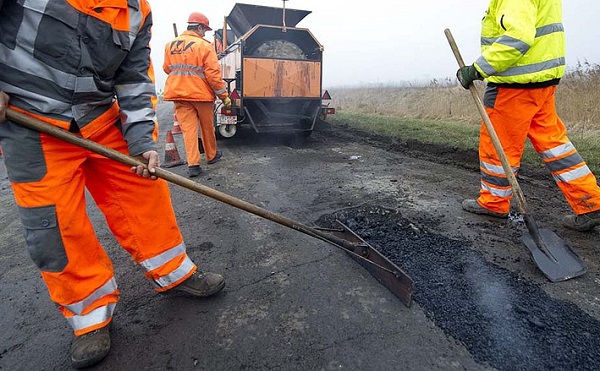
273,69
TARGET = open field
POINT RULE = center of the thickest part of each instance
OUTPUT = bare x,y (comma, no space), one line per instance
443,112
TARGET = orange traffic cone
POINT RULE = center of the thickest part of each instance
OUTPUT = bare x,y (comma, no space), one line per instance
171,154
176,127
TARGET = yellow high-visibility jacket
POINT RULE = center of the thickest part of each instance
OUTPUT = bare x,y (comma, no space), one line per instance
193,68
522,42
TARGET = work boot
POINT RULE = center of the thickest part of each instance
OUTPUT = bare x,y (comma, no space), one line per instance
194,171
216,158
474,207
584,222
89,349
202,284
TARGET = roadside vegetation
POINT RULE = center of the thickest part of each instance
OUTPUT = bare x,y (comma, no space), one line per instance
444,113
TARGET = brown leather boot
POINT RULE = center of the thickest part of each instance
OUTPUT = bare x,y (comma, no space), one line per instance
474,207
89,349
584,222
202,284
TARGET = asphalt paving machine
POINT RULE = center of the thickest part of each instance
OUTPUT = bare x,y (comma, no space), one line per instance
273,72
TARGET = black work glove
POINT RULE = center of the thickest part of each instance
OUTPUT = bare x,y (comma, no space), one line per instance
466,75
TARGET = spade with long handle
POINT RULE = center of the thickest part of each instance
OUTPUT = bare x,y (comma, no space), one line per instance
384,270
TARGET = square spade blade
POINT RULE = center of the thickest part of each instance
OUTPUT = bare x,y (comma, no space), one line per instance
564,266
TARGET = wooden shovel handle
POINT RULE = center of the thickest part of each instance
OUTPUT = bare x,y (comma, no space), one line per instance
40,126
512,180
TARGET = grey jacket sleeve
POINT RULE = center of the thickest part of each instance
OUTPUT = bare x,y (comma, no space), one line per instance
134,85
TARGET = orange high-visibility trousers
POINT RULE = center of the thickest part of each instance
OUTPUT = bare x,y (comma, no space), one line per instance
49,178
518,114
194,116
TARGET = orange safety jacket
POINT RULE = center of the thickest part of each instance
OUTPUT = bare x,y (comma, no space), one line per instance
193,70
95,52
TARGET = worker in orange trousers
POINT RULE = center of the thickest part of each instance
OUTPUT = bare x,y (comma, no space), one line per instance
193,83
102,91
523,59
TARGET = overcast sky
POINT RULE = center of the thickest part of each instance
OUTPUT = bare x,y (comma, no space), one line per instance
383,41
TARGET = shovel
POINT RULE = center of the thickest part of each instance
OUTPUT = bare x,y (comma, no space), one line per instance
553,256
380,267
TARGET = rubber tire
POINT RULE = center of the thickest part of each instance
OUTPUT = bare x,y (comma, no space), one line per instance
227,131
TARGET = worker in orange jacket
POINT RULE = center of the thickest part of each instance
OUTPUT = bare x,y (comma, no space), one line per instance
100,88
522,59
193,83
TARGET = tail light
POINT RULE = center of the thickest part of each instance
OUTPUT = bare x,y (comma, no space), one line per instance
229,111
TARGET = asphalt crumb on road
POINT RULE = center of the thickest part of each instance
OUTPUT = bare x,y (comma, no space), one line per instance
501,319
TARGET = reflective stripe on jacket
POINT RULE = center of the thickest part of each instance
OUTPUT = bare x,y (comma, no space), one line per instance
522,42
193,70
75,59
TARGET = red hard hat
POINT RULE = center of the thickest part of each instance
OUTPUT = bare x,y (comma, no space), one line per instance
199,18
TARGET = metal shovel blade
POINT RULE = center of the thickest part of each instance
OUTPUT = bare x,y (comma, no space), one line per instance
384,270
566,264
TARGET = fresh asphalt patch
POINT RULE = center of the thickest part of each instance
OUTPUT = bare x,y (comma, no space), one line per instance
503,320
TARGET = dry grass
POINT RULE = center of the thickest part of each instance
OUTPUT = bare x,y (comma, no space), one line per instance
577,100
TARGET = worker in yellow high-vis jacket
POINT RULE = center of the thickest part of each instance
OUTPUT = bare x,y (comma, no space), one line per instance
522,59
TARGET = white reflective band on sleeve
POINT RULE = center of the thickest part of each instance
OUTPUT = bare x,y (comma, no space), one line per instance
95,317
485,66
155,262
186,267
558,151
220,91
134,90
572,175
108,288
497,192
135,23
548,29
511,42
144,114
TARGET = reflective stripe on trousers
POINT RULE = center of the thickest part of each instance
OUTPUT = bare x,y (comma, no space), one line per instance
518,114
49,178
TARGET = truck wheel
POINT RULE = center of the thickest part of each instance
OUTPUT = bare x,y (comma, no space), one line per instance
227,131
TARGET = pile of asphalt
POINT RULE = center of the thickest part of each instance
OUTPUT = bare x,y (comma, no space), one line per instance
500,318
